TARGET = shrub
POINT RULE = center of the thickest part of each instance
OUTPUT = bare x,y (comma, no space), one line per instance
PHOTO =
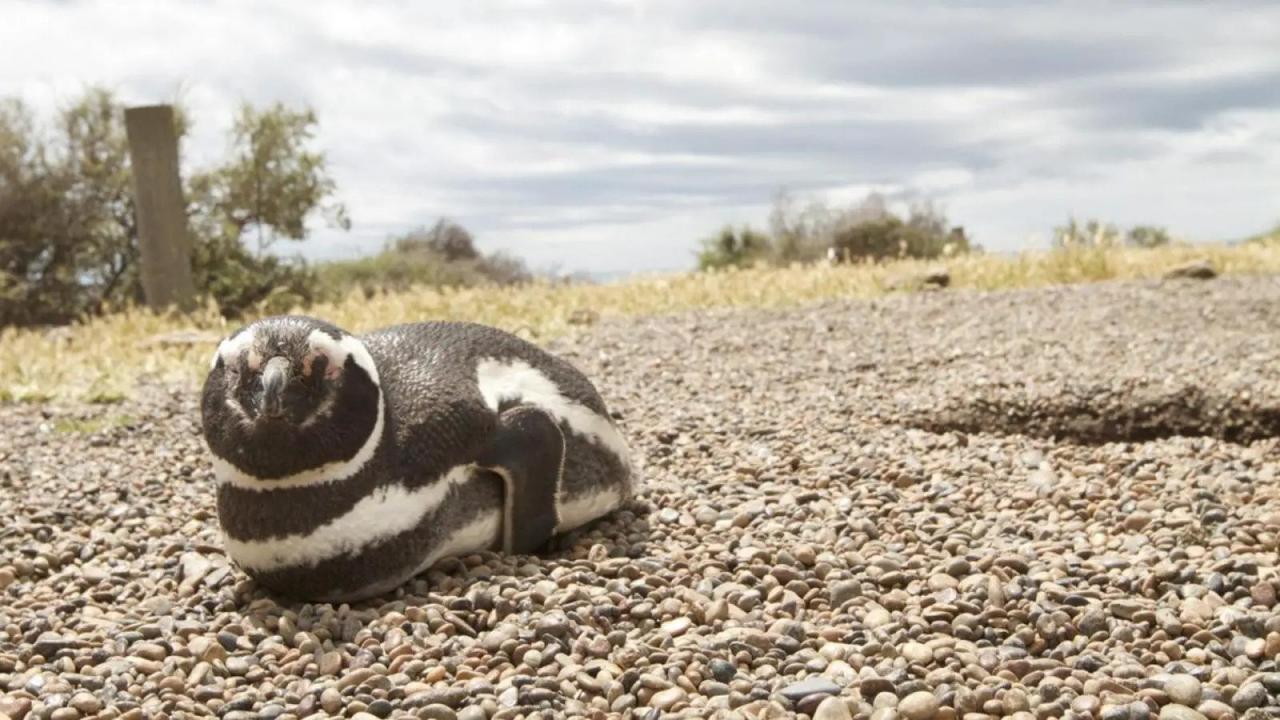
1097,234
1147,236
241,282
444,256
733,248
863,230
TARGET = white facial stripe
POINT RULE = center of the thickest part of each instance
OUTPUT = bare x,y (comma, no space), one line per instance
339,350
517,380
586,507
231,348
389,511
337,470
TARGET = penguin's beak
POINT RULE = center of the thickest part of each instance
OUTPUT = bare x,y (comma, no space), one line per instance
275,376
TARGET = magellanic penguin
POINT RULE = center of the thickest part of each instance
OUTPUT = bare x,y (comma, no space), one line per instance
346,465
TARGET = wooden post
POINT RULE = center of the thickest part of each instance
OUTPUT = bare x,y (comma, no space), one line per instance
161,212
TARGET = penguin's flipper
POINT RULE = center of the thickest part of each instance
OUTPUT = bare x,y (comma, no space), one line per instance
527,452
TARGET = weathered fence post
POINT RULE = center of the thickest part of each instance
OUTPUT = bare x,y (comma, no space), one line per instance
162,219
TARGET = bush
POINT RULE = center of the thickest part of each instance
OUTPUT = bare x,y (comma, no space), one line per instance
733,248
920,236
241,282
444,256
66,214
864,230
1097,234
1147,236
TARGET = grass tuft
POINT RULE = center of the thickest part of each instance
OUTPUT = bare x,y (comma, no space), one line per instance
100,359
93,425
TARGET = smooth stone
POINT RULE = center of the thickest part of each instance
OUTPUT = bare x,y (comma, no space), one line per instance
916,653
331,700
843,591
1250,695
722,670
1216,710
877,617
438,712
810,686
1183,690
921,705
667,699
832,708
1174,711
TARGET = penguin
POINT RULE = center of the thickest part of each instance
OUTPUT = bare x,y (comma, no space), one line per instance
346,465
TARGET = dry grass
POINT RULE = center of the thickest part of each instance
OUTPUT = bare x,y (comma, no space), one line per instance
100,359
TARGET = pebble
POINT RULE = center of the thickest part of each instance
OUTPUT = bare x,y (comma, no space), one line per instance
1216,710
843,591
920,705
809,686
331,700
669,698
1250,695
917,653
1183,690
1175,711
722,670
330,663
832,708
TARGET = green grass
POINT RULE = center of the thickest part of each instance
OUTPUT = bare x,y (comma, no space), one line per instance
100,359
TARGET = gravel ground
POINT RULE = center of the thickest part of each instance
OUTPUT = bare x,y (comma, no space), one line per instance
1042,504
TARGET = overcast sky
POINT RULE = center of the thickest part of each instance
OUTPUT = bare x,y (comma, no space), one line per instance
609,136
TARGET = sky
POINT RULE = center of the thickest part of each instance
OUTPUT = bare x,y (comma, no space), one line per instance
608,136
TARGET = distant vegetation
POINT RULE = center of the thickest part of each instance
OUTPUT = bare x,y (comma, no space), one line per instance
863,231
444,255
1097,234
101,358
69,243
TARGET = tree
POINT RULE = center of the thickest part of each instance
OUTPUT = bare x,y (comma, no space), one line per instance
268,190
38,232
68,239
273,182
96,157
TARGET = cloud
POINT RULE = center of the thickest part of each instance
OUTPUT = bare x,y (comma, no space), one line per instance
612,135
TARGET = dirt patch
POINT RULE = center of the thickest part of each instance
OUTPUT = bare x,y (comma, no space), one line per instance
1106,416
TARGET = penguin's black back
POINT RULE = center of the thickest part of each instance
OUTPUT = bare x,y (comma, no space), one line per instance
435,411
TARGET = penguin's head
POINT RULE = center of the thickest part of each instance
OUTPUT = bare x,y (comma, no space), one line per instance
288,395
